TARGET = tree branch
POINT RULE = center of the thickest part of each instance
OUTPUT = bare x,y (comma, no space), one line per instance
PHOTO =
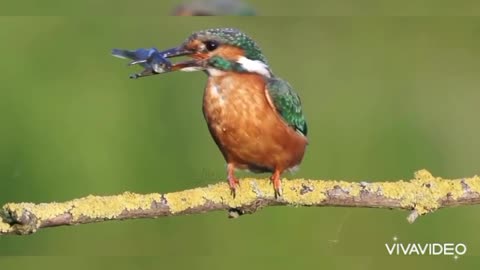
421,195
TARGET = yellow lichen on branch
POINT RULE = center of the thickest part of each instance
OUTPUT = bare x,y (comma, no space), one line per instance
421,195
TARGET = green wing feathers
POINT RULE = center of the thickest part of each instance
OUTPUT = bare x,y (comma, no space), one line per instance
287,103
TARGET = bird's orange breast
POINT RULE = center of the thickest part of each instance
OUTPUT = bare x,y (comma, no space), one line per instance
248,131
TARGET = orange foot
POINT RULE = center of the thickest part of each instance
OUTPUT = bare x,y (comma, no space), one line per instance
277,184
232,180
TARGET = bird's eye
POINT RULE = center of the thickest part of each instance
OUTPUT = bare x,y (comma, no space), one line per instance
211,45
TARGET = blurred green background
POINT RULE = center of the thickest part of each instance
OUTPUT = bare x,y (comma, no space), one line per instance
383,97
263,7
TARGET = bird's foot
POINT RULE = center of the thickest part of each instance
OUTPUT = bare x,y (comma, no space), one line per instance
278,192
234,183
277,185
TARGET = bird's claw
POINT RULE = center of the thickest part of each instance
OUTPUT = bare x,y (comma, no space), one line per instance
234,184
277,185
278,192
233,192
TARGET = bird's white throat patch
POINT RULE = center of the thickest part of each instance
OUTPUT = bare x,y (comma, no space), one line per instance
254,66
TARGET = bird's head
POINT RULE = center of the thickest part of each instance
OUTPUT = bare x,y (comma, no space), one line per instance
220,50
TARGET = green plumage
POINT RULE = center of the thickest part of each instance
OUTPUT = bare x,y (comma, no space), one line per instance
287,103
224,64
232,37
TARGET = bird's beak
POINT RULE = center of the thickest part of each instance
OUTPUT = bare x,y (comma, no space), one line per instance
174,52
189,65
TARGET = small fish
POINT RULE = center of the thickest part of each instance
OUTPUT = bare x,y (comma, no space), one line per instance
151,59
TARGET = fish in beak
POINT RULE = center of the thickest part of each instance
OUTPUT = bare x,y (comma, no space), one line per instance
157,62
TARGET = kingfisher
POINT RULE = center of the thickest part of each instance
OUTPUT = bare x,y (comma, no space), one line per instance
254,117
